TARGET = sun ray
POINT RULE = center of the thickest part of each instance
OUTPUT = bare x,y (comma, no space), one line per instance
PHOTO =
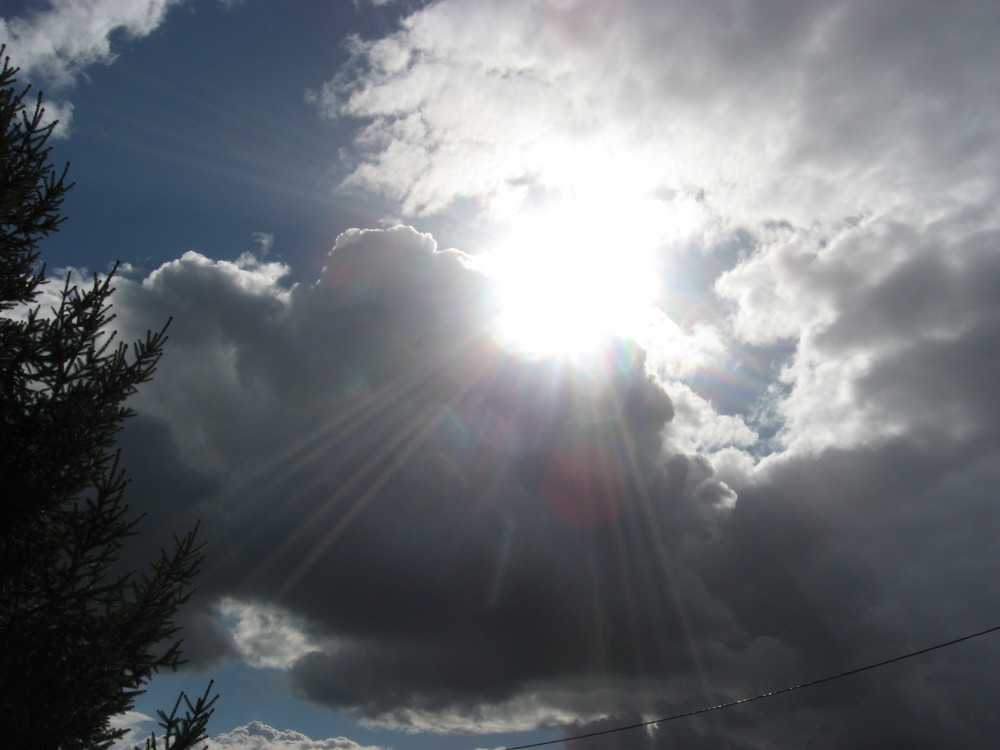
363,485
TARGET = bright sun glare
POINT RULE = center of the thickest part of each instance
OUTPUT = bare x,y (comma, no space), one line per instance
572,274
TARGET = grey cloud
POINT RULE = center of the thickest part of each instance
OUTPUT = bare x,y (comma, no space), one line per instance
464,530
417,494
941,280
840,554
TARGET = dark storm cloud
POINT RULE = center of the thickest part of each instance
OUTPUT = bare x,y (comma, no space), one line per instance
417,494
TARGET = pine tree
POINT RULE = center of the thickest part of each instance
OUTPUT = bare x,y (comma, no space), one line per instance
78,637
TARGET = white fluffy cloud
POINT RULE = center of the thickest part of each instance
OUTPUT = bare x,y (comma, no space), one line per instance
253,736
772,110
70,34
55,44
265,635
258,736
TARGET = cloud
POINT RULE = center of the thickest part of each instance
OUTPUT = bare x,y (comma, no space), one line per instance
133,722
253,736
770,112
60,113
266,636
372,425
264,242
882,320
57,43
458,539
258,736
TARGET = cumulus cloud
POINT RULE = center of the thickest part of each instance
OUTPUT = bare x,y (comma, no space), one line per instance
434,534
415,500
60,113
458,539
258,736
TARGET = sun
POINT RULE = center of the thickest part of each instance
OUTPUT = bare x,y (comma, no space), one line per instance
575,272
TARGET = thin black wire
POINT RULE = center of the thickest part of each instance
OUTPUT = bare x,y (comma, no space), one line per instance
762,695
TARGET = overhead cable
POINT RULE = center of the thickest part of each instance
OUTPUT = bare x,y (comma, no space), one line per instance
751,699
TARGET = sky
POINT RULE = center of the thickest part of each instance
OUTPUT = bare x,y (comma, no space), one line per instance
538,367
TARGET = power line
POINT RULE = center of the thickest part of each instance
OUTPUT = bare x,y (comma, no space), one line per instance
789,689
